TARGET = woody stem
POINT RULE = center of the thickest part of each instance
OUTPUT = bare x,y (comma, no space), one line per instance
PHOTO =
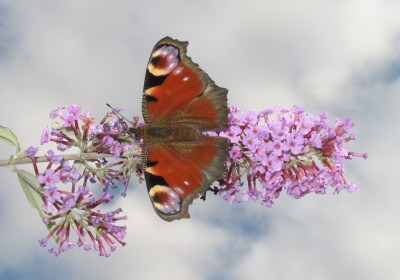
27,160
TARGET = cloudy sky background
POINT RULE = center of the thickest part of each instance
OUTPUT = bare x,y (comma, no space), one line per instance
337,56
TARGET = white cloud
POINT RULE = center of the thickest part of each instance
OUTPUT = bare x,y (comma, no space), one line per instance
335,56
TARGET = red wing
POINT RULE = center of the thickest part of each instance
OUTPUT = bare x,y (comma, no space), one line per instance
176,90
177,172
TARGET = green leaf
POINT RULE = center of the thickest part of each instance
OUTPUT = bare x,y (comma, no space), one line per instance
9,137
31,188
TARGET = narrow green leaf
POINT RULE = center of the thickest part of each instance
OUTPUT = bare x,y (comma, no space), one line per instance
31,188
9,137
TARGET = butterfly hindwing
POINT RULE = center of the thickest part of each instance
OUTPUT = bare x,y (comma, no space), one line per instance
180,102
175,174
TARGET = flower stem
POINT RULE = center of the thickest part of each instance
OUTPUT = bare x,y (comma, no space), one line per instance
27,160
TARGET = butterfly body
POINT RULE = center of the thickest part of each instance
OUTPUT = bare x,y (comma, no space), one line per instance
172,133
180,103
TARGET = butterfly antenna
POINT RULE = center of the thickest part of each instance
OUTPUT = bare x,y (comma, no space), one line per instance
116,112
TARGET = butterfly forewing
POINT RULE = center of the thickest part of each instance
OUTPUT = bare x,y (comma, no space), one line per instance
176,90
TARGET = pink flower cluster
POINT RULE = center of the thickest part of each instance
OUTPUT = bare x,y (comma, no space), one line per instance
109,136
73,209
102,137
279,149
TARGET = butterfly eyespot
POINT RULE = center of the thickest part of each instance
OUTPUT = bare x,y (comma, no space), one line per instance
163,60
165,199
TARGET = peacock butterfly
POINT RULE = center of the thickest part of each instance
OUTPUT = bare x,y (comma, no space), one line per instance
180,102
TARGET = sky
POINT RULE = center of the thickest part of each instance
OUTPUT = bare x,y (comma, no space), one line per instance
342,57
